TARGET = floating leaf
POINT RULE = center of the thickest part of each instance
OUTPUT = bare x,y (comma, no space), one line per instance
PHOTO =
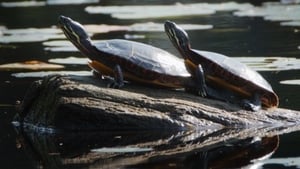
30,65
290,23
291,82
158,11
60,2
58,43
22,4
70,60
103,28
61,46
33,31
42,3
20,38
46,73
269,11
30,35
159,27
270,63
134,36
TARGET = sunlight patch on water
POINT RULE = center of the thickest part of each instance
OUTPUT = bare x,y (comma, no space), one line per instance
274,11
160,11
291,82
270,63
42,3
47,73
30,65
70,60
121,150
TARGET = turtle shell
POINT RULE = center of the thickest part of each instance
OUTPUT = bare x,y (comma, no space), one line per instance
140,61
229,73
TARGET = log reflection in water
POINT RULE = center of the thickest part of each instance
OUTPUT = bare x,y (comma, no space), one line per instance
205,149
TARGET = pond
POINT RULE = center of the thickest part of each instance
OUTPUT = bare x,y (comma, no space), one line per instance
265,36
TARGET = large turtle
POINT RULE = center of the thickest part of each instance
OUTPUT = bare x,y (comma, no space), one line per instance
130,60
227,75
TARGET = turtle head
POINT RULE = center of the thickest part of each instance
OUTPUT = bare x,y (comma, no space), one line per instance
178,37
74,31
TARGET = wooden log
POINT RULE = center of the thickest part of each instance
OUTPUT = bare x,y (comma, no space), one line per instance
164,127
85,103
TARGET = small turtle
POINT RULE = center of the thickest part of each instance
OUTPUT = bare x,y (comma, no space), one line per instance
130,60
225,74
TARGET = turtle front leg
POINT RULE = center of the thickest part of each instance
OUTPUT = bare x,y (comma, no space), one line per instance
118,80
254,104
200,81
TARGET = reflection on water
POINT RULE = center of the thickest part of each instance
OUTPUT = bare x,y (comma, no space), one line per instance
145,150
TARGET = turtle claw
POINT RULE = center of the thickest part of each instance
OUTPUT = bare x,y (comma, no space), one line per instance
115,85
253,105
247,105
202,93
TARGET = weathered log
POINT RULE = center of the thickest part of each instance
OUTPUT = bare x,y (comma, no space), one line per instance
85,103
188,130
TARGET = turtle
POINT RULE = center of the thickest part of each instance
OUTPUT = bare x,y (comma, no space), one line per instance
230,79
128,60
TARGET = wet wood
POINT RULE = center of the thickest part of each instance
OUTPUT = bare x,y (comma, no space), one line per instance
85,103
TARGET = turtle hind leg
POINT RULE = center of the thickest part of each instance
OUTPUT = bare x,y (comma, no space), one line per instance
118,80
254,104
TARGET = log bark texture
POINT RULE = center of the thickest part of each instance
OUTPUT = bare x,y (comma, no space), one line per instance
85,103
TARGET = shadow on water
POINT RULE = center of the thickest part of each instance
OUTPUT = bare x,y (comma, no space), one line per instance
144,149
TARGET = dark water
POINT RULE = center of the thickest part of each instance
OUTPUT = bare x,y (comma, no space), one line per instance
231,35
